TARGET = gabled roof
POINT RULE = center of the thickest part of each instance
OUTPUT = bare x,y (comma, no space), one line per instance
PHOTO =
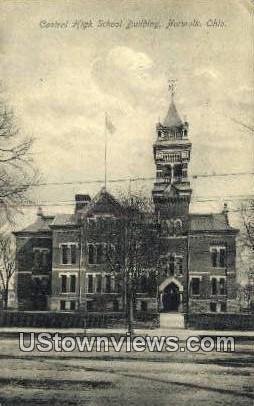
42,224
103,203
172,118
210,222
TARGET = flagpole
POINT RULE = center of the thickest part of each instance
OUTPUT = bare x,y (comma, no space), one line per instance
105,153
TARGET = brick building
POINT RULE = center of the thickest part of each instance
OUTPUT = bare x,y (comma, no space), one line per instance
62,260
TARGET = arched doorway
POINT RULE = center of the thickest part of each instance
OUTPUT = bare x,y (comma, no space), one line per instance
171,298
171,295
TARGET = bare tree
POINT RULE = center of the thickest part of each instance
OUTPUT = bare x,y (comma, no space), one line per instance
7,267
17,173
137,254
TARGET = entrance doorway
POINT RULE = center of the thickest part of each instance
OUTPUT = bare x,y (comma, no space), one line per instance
171,298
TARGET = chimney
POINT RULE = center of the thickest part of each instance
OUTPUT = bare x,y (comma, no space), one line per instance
81,201
225,211
39,212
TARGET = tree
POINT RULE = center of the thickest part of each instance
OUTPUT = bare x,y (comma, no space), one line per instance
7,267
17,173
137,254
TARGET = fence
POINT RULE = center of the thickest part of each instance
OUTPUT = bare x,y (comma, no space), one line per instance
220,321
75,320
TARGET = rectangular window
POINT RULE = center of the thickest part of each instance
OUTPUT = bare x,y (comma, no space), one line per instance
214,286
179,265
98,283
222,286
73,283
214,257
73,305
64,253
91,253
63,283
195,286
90,283
223,307
89,306
62,304
108,283
99,253
213,307
44,258
222,257
73,254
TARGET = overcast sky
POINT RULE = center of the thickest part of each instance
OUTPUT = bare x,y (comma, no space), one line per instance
62,80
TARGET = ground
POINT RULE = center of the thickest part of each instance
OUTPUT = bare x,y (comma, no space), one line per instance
157,378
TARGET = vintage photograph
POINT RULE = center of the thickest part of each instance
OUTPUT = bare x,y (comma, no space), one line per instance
126,202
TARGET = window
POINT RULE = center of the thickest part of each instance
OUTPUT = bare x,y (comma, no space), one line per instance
179,265
91,254
90,283
73,254
98,283
195,283
64,254
223,307
222,257
63,283
44,258
73,305
143,306
37,258
99,254
222,286
214,258
218,257
171,265
108,283
62,304
90,305
214,286
73,283
213,307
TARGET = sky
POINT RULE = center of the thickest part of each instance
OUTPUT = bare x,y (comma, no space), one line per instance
61,80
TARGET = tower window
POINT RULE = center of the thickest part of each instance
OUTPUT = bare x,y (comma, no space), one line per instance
90,284
108,283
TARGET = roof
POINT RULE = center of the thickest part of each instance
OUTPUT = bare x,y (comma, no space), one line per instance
64,220
42,224
103,202
210,222
172,118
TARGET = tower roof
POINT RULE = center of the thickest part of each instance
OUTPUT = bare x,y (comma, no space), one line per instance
172,118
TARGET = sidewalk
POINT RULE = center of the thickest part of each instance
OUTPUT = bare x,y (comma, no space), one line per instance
183,334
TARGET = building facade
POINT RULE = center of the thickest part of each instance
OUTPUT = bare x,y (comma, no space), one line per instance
71,262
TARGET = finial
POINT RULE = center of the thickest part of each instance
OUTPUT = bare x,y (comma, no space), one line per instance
172,87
